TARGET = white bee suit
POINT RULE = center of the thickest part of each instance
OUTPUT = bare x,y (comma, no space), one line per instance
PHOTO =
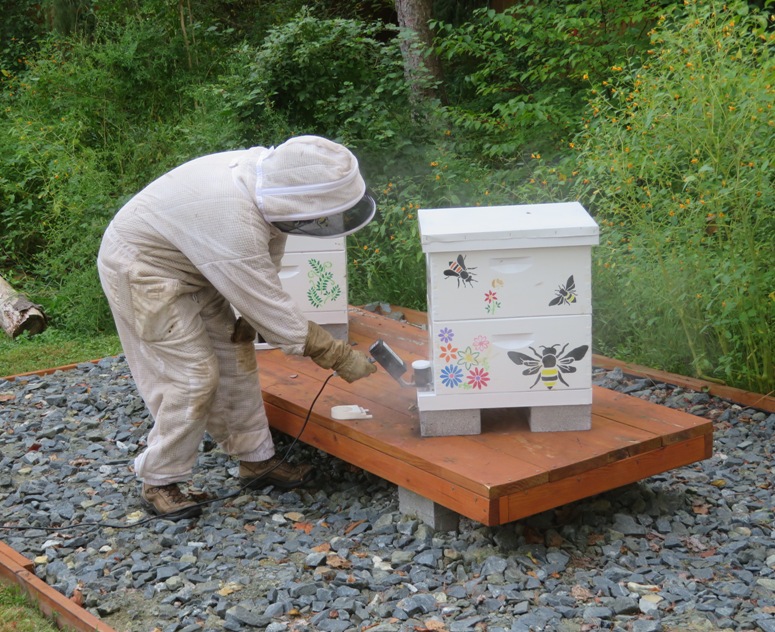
175,259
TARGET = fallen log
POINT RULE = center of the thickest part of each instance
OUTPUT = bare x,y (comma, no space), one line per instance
18,314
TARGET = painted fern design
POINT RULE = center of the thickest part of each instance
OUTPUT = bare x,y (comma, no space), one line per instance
323,287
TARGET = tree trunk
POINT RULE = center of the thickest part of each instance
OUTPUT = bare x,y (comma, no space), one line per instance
18,314
419,64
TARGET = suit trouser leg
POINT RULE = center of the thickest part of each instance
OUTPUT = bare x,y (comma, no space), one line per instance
177,342
237,419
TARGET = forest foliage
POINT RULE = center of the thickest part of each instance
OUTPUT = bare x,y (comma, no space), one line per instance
657,116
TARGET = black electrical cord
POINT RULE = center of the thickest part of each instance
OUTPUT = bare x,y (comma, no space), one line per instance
90,526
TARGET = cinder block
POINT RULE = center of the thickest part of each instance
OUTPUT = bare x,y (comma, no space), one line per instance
448,423
561,418
431,513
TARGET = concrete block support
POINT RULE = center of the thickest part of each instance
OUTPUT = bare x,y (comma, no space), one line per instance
561,418
448,423
431,513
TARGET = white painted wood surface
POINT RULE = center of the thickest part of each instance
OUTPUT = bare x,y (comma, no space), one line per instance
509,305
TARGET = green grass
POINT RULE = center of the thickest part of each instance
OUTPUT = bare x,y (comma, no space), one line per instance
52,349
19,614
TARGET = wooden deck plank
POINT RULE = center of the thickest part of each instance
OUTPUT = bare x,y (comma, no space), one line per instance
598,480
565,454
672,425
379,387
505,473
406,474
396,433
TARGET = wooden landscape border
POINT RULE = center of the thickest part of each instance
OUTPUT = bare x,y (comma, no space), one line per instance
63,612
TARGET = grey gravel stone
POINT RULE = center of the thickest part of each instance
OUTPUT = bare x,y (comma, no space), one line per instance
645,625
690,550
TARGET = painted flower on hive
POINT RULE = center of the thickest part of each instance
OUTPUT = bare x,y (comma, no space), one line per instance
478,378
451,376
448,352
446,334
491,298
468,358
481,343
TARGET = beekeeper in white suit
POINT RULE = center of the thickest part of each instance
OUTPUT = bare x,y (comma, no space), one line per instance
202,238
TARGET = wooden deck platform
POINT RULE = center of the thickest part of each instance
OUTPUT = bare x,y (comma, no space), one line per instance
503,474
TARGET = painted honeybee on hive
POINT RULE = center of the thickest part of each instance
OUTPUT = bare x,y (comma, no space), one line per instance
565,294
550,364
459,270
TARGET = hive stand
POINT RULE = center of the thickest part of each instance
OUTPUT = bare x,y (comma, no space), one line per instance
502,474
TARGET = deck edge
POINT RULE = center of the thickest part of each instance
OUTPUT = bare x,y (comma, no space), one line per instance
597,481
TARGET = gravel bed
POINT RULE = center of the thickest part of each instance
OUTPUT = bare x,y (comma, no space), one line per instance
688,550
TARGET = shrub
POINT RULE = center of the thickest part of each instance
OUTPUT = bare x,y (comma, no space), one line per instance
20,28
676,165
85,125
334,77
385,260
518,78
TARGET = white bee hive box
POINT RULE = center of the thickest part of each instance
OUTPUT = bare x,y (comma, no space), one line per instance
314,272
510,315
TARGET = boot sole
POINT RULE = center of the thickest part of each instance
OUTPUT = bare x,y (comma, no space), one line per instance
180,514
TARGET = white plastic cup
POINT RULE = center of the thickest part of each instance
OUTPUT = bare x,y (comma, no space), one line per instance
423,375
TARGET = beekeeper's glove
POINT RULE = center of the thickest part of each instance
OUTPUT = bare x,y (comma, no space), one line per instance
329,353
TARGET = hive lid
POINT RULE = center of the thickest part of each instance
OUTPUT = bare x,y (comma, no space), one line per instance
497,227
305,243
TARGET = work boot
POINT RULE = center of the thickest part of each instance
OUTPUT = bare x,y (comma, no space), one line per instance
169,501
274,471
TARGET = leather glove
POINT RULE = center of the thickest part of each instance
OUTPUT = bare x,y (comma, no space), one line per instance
329,353
243,331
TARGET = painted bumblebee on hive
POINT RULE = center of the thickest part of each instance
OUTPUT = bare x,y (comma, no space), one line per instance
549,364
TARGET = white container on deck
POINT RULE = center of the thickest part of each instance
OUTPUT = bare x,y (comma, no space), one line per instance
313,271
510,314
